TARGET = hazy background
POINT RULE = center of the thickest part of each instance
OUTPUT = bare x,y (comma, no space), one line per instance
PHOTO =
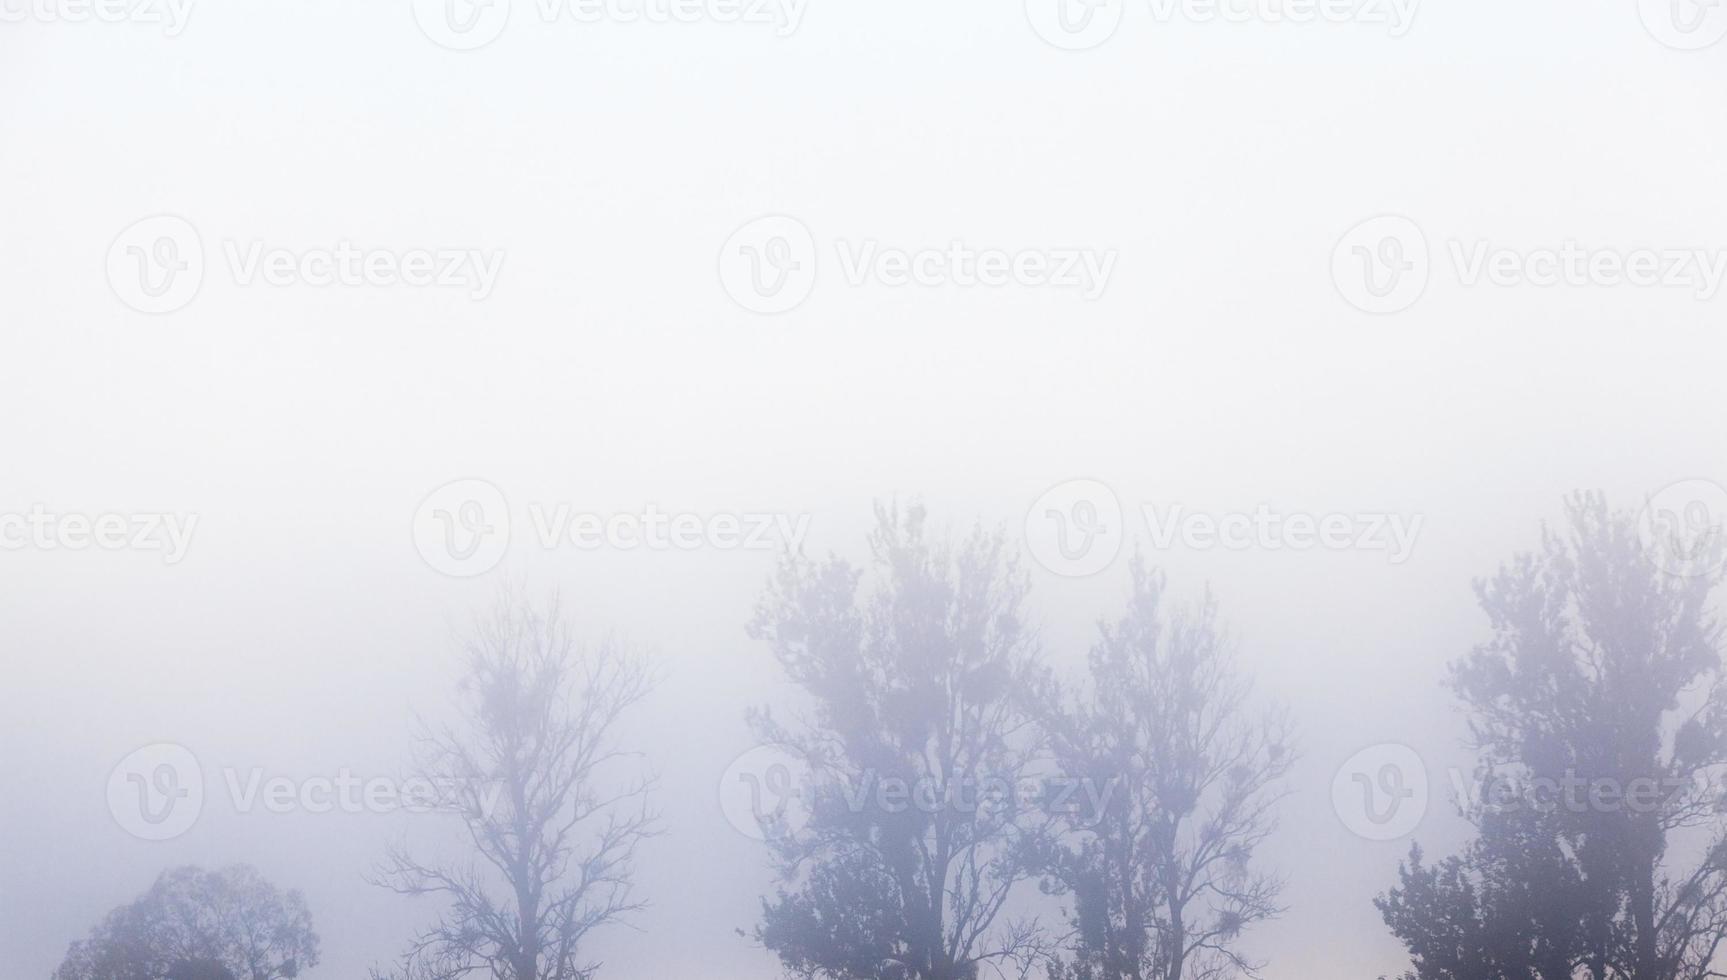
610,370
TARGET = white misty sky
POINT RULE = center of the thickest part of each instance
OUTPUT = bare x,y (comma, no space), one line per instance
608,369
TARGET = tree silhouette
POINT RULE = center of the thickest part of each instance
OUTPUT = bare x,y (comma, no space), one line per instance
554,828
1168,786
907,860
194,924
199,970
1600,717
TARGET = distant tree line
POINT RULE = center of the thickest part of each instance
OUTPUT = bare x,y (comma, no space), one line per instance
970,813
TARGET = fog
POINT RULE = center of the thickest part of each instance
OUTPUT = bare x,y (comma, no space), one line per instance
302,453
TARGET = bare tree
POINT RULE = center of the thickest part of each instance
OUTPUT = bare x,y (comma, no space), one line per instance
1170,784
552,809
